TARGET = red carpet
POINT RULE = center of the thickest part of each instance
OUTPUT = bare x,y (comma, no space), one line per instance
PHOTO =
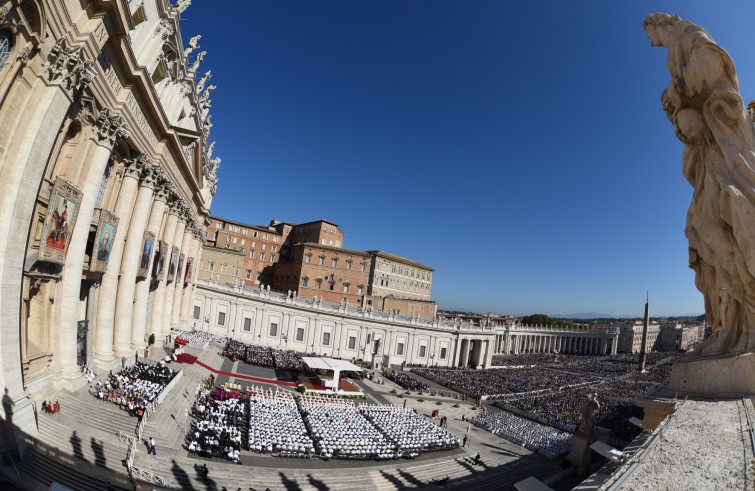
246,377
186,358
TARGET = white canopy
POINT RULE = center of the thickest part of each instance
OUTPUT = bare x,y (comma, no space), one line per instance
330,364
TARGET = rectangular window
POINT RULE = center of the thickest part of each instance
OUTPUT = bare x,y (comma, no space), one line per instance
218,225
197,310
321,261
399,349
308,258
254,234
272,249
264,236
422,351
346,288
221,318
360,290
334,262
227,238
326,339
443,353
304,282
275,239
248,274
262,256
348,264
272,258
264,246
243,241
273,329
247,324
352,342
251,254
362,267
300,334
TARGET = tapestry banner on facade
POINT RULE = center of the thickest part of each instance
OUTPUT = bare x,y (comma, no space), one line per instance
107,227
147,245
65,199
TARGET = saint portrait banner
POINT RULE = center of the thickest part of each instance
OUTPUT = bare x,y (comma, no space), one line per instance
158,269
62,211
180,269
173,264
107,227
189,269
147,245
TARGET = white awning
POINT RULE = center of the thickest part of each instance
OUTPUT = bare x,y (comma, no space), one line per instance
330,364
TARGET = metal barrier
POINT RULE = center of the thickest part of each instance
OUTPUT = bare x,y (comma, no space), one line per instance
152,478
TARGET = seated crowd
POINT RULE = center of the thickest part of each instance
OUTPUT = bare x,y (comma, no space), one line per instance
275,424
134,387
539,438
196,339
406,381
216,430
410,432
340,431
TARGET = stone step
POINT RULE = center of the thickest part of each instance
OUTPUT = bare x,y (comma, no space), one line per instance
42,466
88,448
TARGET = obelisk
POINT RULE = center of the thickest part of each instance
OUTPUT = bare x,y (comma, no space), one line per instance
643,348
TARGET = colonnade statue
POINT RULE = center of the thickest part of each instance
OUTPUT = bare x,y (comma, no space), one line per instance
703,104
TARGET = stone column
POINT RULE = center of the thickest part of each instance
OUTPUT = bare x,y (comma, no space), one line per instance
170,287
107,128
188,294
186,249
158,297
124,304
109,288
141,295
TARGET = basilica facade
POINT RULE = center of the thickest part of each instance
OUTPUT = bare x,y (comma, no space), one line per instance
106,180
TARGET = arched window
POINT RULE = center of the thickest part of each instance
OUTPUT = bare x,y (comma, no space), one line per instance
6,40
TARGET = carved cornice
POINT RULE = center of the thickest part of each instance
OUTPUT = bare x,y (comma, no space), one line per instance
110,127
66,66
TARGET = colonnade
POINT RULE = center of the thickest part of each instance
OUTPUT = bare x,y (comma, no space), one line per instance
550,340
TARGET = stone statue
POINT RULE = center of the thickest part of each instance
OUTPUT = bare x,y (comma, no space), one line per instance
587,423
182,5
197,61
193,44
203,81
703,104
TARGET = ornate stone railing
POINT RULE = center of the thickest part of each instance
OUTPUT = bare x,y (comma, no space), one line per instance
316,303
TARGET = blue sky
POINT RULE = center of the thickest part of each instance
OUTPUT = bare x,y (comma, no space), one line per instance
520,149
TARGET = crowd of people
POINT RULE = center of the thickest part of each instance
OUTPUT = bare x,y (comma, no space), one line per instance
498,382
264,356
410,432
536,437
216,429
406,381
196,339
134,387
276,425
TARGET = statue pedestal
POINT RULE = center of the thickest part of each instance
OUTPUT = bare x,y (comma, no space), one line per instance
713,376
581,453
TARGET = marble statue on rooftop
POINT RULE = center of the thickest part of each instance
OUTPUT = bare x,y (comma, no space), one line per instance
587,423
703,104
193,44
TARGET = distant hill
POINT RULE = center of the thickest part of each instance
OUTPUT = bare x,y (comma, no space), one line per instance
592,315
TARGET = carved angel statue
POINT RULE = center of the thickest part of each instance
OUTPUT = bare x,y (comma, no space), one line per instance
210,149
207,126
203,81
182,5
206,94
197,61
193,44
703,104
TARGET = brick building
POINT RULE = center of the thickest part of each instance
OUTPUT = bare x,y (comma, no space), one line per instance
220,265
315,270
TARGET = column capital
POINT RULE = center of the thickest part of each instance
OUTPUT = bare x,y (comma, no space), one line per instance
134,167
163,188
150,175
67,67
109,127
